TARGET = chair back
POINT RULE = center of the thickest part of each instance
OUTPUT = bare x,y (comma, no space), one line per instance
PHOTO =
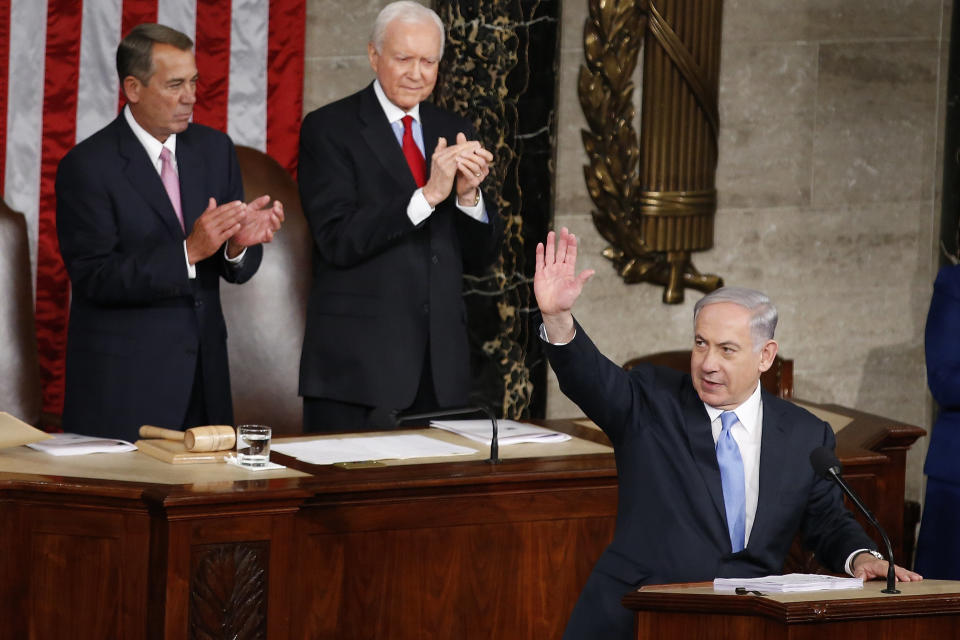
266,315
19,368
778,379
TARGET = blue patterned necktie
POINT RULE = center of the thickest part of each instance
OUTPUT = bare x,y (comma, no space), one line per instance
731,477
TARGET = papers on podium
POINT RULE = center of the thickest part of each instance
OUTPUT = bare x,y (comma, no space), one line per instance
367,448
74,444
508,431
790,583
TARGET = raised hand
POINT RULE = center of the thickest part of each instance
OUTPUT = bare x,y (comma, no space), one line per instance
214,226
260,225
557,285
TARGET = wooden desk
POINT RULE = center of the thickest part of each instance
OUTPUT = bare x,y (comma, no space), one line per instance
447,550
928,609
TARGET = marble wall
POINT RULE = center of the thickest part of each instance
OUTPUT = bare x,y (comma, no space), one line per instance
830,145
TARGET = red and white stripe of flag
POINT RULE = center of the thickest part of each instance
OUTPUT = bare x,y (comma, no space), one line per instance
58,85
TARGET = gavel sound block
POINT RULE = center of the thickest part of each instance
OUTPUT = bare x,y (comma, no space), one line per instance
195,445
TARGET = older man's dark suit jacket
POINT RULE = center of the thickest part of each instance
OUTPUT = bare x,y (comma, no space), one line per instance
671,525
383,288
137,322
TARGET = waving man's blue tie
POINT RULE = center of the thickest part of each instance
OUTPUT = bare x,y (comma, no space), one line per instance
731,477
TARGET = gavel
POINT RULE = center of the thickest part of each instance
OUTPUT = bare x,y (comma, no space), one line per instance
212,438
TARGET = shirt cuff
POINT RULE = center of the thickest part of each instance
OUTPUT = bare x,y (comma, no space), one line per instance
191,268
418,209
543,336
478,212
848,565
234,261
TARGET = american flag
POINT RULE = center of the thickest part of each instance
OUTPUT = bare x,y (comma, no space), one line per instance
58,85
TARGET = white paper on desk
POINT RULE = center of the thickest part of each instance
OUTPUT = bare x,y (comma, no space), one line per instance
508,431
396,447
74,444
267,466
790,583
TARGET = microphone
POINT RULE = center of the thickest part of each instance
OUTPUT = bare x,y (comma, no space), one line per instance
381,418
826,465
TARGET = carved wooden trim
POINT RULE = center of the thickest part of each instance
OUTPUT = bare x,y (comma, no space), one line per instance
228,591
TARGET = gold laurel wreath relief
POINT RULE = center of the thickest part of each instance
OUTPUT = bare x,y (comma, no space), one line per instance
656,195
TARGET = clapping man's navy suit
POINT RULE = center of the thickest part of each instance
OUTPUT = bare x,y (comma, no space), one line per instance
672,522
147,338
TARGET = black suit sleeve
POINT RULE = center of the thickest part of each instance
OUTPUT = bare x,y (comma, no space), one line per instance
601,388
246,268
350,218
480,240
829,528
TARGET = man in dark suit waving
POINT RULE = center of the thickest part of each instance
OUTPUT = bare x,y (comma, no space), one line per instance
714,473
150,216
390,185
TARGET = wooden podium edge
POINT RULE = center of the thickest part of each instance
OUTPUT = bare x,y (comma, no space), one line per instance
874,605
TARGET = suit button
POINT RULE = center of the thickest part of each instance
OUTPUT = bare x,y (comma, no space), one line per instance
435,259
198,303
426,308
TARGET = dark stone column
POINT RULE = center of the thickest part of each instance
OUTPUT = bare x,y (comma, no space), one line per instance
500,70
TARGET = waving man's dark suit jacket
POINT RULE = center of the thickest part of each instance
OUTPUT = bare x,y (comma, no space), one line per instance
671,525
137,322
383,287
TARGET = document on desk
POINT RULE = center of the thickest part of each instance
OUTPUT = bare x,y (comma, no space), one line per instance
75,444
395,447
790,583
508,431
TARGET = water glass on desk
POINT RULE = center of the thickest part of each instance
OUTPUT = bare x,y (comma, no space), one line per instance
253,445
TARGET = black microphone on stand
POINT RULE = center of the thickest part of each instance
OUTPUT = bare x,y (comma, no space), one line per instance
827,466
388,419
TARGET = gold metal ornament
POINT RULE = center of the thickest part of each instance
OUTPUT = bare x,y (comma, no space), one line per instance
656,198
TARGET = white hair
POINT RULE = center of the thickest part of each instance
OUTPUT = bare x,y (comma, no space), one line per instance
763,315
405,11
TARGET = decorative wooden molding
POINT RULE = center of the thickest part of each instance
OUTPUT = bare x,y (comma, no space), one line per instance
228,591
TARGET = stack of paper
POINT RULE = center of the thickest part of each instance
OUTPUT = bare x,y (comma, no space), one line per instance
74,444
508,431
392,447
792,582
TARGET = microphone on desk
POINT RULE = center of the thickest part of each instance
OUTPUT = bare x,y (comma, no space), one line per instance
381,418
826,465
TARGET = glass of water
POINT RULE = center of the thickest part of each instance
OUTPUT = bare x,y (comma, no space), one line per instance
253,445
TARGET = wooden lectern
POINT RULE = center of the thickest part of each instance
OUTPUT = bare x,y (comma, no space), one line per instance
927,609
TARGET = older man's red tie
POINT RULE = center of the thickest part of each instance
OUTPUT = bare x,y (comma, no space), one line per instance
418,166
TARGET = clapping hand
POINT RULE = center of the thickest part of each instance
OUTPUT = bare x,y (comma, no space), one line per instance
262,221
473,166
467,163
214,226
